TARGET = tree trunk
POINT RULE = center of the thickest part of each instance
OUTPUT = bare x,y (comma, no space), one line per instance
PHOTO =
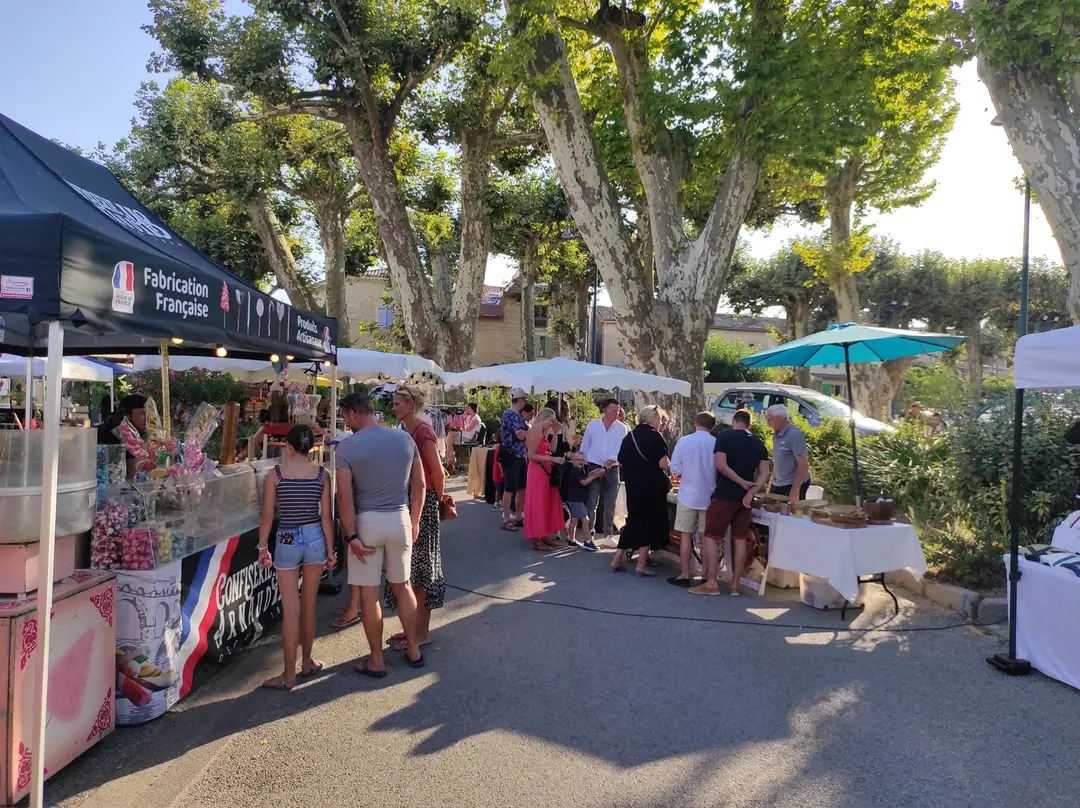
799,325
447,337
529,261
330,217
663,316
272,236
1043,128
974,362
873,387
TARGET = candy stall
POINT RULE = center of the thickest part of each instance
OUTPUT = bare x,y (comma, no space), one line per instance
88,269
82,642
181,538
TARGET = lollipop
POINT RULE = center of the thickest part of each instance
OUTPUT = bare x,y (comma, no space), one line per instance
132,440
224,301
259,313
155,431
202,426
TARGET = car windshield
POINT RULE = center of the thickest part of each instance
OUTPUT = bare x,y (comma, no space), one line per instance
826,406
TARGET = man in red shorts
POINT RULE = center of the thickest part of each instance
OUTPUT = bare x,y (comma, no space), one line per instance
742,466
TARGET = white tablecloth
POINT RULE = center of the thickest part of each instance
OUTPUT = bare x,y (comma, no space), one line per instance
1067,534
1047,603
840,555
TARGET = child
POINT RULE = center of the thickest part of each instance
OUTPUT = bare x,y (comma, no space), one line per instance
496,472
576,492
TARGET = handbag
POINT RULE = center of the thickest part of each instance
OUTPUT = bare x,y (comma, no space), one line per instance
447,508
555,475
667,480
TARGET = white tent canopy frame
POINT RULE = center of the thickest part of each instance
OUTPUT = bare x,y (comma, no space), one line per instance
1046,361
362,364
73,368
564,375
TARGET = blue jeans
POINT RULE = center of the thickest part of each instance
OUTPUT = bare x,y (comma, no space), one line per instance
299,546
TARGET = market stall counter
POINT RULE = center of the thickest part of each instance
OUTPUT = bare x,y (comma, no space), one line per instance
189,588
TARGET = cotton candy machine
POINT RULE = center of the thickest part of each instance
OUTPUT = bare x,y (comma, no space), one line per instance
21,463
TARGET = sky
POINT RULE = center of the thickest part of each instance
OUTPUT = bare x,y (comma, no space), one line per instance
71,68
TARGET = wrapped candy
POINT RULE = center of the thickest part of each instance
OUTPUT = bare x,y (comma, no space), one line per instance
202,426
110,522
155,431
132,440
164,544
138,548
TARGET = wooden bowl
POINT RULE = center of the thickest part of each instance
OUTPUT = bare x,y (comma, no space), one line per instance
879,511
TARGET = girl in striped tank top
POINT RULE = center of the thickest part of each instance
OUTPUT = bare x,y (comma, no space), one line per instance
298,494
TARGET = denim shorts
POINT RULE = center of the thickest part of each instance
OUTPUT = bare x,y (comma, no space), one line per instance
577,510
296,546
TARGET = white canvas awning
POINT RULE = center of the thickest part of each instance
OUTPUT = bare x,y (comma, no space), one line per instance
1048,361
73,369
564,375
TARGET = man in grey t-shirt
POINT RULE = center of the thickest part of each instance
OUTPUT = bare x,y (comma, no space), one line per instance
791,463
375,466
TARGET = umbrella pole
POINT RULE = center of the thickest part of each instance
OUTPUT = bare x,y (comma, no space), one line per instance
851,424
1008,663
46,554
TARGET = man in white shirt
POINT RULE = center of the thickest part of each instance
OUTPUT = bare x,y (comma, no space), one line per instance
600,444
694,462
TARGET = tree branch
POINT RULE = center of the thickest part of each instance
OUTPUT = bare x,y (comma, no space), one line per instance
407,87
328,110
516,139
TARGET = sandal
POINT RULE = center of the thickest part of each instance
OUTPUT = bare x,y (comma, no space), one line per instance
364,670
316,668
645,573
277,683
510,527
401,646
341,622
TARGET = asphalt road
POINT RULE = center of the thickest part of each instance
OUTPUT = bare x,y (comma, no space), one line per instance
661,699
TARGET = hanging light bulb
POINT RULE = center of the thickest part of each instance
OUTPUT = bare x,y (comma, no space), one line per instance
177,341
289,357
566,233
326,363
221,352
274,358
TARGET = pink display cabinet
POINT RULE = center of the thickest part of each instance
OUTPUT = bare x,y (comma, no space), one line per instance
82,676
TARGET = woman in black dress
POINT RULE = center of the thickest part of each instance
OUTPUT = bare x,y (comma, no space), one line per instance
643,460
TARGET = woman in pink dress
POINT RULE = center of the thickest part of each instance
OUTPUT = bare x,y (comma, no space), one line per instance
543,505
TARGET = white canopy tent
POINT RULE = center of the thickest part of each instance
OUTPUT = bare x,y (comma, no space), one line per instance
564,375
73,368
361,364
1047,361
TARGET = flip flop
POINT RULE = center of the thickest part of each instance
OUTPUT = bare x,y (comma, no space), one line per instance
316,668
339,623
400,645
364,670
685,583
510,527
646,573
277,683
416,663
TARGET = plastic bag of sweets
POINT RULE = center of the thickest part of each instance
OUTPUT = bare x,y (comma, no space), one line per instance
203,424
155,431
110,522
138,548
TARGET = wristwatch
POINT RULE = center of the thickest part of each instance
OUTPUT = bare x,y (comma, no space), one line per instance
351,538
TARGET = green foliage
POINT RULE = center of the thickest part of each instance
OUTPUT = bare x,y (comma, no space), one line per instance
722,363
937,387
492,403
189,388
583,409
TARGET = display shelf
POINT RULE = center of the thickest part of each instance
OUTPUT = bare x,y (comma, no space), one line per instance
147,525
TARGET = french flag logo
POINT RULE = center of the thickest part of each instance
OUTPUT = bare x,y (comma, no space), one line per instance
123,277
123,287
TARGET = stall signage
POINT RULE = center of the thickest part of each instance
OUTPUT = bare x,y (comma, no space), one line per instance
19,287
134,220
229,601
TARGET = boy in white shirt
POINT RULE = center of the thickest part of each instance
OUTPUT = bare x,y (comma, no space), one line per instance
694,462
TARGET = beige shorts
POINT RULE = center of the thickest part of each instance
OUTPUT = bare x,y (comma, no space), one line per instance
689,520
389,534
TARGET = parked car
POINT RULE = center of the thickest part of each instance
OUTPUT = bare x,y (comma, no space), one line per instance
810,404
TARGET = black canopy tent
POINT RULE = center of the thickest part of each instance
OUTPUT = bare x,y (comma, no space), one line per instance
76,246
86,268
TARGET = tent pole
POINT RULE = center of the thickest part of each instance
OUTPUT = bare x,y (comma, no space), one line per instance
46,554
1008,663
28,399
166,403
851,423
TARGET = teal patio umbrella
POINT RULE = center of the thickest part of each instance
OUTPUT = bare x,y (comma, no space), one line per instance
847,343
